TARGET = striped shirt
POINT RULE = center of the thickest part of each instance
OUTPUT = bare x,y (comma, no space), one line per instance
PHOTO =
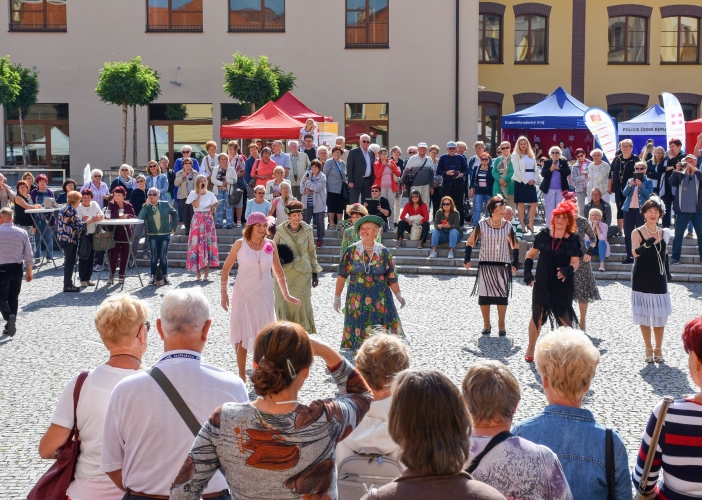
15,247
679,452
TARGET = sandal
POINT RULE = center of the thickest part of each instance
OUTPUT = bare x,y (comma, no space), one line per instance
649,356
602,268
486,331
529,359
658,358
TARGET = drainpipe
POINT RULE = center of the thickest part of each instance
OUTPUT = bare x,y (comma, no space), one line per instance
458,25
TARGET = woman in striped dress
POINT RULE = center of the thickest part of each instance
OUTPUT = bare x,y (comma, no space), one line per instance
499,245
679,450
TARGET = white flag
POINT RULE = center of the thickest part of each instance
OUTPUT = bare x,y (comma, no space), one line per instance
602,128
86,174
674,118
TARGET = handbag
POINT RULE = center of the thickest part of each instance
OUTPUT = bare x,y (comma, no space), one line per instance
641,489
365,470
103,241
85,247
252,182
55,481
235,195
345,189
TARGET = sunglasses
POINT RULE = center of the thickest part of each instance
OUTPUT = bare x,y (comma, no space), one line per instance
555,153
483,159
506,147
152,195
94,177
639,169
580,156
445,204
627,146
375,190
140,182
187,152
365,142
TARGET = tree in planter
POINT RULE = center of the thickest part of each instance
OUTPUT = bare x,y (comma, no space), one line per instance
248,81
128,84
9,82
27,96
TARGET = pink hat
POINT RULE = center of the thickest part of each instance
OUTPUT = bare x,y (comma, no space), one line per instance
259,218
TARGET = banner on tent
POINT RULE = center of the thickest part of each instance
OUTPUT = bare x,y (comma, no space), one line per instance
638,129
573,139
602,127
674,118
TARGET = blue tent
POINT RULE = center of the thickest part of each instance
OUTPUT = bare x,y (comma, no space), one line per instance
648,125
560,110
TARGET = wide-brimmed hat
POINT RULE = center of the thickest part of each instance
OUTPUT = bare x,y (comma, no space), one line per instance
356,208
378,221
259,218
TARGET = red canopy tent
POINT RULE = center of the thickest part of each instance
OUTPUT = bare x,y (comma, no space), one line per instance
692,130
295,108
269,122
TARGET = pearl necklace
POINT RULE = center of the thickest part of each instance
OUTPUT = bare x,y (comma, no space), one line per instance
657,247
285,402
367,268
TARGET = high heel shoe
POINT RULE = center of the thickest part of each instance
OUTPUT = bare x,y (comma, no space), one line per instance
487,331
649,356
529,359
658,358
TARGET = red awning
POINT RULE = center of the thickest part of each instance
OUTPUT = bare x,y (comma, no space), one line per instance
692,130
269,122
295,108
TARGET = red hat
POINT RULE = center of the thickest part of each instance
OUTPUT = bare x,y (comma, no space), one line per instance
564,207
568,196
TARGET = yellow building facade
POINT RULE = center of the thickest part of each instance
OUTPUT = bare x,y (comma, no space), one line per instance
619,57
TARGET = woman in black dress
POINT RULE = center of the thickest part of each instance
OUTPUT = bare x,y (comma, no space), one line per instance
554,285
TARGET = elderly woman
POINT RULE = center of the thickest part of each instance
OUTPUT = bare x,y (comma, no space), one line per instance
169,173
23,201
137,199
28,178
258,203
273,186
566,361
524,176
162,220
558,248
481,184
335,173
88,209
124,180
599,230
154,178
429,420
121,321
414,208
70,226
68,186
579,177
379,360
502,172
185,182
498,261
300,267
6,193
237,162
223,179
637,190
322,154
555,180
447,227
44,222
314,198
279,203
514,466
679,449
386,172
253,303
371,270
349,234
101,192
598,174
202,239
301,466
262,169
119,208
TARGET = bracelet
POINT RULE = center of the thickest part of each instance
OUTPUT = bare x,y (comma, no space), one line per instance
224,284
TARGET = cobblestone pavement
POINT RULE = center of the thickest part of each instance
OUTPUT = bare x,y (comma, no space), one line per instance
56,339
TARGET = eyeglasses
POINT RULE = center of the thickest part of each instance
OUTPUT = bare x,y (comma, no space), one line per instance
483,159
580,156
140,182
451,149
627,146
147,325
365,142
186,152
639,169
150,195
375,190
505,147
97,176
555,153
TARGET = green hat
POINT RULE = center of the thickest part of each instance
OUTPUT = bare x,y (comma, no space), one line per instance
368,218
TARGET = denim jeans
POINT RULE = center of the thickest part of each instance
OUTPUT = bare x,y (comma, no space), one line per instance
44,227
439,236
632,220
223,197
479,204
682,220
179,208
309,216
602,250
159,252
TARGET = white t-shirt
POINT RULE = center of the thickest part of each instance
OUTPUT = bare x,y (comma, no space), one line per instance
90,483
91,211
206,201
144,434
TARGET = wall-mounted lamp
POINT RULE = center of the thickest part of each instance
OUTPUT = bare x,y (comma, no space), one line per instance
175,80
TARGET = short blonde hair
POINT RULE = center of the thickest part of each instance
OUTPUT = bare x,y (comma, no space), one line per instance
380,358
279,170
567,358
595,211
118,317
73,197
434,147
491,392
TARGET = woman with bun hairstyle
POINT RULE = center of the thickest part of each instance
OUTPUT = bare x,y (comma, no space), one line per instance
276,447
253,305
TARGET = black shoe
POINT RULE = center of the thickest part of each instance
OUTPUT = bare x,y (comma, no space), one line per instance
11,326
71,289
628,260
502,333
486,331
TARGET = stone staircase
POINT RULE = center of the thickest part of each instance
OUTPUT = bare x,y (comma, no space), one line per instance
410,260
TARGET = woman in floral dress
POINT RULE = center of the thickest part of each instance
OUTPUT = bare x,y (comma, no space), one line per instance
372,277
202,240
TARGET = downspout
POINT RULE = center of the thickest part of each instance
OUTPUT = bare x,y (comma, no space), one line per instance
458,24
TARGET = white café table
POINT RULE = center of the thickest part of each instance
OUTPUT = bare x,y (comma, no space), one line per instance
34,212
108,223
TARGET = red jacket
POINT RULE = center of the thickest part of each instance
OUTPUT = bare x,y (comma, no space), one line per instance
409,211
378,170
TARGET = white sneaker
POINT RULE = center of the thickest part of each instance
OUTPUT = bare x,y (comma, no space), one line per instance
83,283
238,224
97,268
432,254
166,280
450,255
151,280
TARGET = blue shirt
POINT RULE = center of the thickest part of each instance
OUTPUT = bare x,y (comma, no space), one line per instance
282,160
248,166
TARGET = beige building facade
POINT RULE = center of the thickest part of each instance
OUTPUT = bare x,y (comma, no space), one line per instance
379,65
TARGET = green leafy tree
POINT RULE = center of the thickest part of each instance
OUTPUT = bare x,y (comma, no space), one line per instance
27,97
249,81
128,84
9,82
286,81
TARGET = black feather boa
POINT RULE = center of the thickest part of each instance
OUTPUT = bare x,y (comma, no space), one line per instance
285,253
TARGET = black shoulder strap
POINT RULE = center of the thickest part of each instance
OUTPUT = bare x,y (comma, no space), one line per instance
175,398
609,463
502,436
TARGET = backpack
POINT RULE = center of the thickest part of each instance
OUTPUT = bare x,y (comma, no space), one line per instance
364,471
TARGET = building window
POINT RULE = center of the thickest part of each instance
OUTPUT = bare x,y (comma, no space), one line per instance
689,112
45,137
489,115
628,40
490,43
38,15
174,15
623,112
171,126
531,39
521,107
367,118
367,24
679,40
233,111
256,15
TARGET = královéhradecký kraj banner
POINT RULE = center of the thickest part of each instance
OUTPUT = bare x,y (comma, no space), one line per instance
602,127
674,118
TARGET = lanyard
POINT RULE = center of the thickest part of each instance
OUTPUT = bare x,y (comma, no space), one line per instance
176,355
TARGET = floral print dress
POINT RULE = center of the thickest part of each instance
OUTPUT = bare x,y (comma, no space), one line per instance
369,300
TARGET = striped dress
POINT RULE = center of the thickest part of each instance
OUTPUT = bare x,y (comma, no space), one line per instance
679,452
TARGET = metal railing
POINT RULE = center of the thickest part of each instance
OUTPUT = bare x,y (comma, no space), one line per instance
38,27
166,28
268,28
14,174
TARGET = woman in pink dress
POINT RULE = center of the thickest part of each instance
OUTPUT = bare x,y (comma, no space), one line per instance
253,302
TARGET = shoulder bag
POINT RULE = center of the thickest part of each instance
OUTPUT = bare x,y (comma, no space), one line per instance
85,247
345,190
641,490
365,471
497,439
176,400
103,241
55,481
252,182
409,179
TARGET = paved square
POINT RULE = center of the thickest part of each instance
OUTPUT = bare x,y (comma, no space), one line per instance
56,339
